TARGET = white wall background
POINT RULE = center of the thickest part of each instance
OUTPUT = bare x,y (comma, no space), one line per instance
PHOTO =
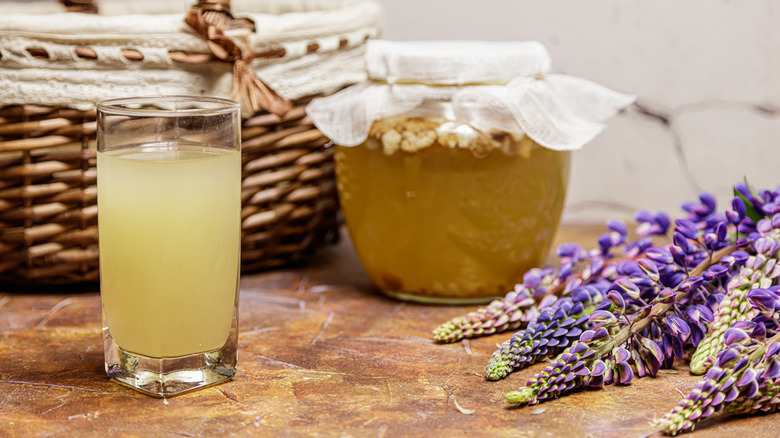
706,73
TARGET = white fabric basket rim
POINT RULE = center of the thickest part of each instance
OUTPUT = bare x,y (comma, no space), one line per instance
339,32
75,27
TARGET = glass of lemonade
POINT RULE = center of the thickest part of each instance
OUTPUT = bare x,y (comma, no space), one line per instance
169,201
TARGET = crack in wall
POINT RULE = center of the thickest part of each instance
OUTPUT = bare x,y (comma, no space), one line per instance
666,115
667,118
766,109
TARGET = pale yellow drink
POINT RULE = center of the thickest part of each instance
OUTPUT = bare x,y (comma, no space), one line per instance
169,234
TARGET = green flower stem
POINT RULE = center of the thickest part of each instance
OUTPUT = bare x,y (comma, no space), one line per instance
660,309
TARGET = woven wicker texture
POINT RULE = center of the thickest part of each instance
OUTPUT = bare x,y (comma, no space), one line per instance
48,194
48,210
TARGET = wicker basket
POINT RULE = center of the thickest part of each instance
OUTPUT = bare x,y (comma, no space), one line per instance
48,87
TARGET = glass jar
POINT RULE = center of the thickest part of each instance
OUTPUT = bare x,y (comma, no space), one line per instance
439,211
452,163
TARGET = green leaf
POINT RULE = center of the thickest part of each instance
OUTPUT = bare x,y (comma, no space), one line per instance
753,192
751,211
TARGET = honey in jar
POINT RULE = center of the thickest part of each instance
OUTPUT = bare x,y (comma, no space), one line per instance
451,187
444,221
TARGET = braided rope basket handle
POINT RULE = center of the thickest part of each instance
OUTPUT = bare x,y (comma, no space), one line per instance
83,6
209,19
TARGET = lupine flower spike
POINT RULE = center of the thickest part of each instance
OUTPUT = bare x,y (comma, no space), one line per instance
540,288
516,309
608,344
760,271
711,285
744,378
553,330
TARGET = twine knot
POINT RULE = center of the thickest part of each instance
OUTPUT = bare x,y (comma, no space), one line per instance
209,19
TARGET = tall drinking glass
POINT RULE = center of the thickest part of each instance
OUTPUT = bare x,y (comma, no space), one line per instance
169,178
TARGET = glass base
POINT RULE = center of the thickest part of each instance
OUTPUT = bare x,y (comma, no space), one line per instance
167,377
428,299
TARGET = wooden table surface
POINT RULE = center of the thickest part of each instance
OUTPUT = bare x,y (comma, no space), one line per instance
320,353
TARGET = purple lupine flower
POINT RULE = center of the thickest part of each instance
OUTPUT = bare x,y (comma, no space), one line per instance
660,256
747,226
742,379
721,231
571,253
716,238
637,247
715,272
650,357
565,272
664,276
618,304
735,336
617,226
691,283
738,205
651,223
708,396
678,254
739,257
628,286
698,313
732,217
764,226
776,220
747,195
649,269
666,295
670,273
622,372
580,365
687,228
554,329
532,278
765,301
631,270
684,243
516,309
677,327
737,304
704,214
600,318
765,202
592,270
610,240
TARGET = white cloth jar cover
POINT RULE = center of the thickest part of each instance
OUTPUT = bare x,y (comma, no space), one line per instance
501,86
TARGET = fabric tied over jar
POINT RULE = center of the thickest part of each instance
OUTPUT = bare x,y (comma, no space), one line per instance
504,86
452,162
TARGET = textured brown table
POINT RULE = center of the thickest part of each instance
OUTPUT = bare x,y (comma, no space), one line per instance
321,353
